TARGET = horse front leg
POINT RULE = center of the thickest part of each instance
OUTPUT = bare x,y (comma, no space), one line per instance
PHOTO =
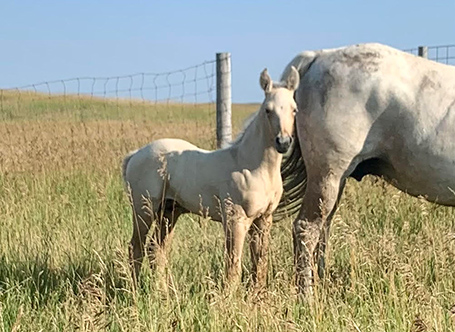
259,243
318,203
235,229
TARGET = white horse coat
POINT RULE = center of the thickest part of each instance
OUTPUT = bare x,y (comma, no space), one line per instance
368,109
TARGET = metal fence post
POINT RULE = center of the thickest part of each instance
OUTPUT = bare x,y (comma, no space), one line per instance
423,51
223,100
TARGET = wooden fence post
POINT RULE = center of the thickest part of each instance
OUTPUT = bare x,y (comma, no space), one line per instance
223,100
423,51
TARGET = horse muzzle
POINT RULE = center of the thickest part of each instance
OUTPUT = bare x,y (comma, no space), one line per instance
282,143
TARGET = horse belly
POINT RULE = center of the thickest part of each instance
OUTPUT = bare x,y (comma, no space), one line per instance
203,204
423,173
423,152
193,193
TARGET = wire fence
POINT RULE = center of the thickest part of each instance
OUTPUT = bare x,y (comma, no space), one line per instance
442,53
61,121
193,84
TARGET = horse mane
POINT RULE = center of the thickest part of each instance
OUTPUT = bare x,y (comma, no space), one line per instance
246,124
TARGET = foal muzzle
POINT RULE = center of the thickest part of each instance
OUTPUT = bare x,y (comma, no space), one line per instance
282,143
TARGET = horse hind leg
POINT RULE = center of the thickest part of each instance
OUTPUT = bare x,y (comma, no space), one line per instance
166,219
143,216
319,253
318,204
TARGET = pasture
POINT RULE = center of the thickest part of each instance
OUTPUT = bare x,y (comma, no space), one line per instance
65,222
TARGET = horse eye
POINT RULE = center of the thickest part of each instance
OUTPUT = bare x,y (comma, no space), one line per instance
295,111
268,111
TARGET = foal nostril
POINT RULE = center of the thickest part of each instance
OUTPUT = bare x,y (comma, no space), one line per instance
286,140
282,143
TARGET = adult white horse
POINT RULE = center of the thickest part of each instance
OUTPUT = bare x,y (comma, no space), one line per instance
366,109
239,186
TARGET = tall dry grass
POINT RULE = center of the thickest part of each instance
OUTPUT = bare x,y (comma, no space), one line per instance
65,223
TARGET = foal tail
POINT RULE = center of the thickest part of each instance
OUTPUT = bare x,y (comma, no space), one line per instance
293,171
125,166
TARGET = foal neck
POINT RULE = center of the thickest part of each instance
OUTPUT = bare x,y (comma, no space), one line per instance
256,149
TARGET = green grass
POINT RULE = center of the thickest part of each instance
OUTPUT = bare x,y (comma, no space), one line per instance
65,223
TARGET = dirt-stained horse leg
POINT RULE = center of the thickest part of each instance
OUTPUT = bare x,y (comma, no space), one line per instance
259,243
318,204
319,252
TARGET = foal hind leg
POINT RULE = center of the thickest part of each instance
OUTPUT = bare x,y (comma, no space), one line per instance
259,242
162,236
141,226
318,203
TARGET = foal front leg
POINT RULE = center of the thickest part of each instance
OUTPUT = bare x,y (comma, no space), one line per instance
235,230
259,243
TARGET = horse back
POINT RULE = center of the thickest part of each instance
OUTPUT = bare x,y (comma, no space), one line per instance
372,109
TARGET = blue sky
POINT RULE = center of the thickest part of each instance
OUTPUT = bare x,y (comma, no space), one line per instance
47,40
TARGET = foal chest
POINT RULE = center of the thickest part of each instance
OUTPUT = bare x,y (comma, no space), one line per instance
257,195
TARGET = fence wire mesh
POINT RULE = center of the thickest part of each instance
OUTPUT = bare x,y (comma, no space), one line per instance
190,85
72,122
442,53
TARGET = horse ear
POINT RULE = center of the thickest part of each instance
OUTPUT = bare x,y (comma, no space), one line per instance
293,79
266,81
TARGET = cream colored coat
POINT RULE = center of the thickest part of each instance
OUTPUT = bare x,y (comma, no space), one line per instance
239,186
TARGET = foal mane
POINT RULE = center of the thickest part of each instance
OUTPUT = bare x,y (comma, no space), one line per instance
245,126
252,117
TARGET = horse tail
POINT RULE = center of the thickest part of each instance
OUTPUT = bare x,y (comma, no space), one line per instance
125,166
293,171
294,176
302,62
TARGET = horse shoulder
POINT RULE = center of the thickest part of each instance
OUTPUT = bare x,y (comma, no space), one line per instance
258,195
341,97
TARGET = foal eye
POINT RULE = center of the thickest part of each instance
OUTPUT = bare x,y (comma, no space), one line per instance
295,111
268,110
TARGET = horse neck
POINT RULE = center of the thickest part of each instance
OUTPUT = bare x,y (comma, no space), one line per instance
256,149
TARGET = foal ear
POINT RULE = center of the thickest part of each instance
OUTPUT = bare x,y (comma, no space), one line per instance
266,81
293,79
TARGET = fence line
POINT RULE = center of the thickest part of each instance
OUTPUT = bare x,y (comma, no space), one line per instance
441,53
85,122
183,85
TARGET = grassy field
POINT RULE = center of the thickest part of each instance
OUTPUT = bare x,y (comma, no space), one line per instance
65,224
